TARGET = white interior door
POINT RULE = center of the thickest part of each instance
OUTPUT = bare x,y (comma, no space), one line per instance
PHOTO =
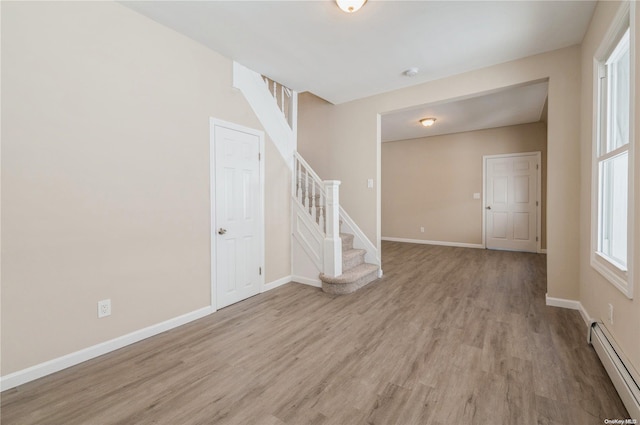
511,202
237,225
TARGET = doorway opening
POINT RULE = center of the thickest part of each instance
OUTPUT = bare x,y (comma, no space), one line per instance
432,178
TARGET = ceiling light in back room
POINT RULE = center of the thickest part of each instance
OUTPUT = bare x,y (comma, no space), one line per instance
427,122
350,6
411,72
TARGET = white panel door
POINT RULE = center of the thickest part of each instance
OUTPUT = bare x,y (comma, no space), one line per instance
511,202
238,220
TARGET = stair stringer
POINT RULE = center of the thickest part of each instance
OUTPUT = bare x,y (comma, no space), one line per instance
252,86
360,240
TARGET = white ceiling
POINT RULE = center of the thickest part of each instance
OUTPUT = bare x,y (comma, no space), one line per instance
516,105
314,46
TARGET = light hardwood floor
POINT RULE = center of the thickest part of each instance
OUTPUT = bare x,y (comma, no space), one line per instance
448,336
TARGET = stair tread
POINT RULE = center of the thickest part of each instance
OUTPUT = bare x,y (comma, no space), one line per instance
350,275
353,252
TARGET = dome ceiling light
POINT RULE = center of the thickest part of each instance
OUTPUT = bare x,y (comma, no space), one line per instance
350,6
411,72
427,122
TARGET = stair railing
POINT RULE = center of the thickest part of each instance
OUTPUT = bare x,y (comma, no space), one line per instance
321,200
284,97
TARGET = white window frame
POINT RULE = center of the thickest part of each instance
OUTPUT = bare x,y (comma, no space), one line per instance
619,276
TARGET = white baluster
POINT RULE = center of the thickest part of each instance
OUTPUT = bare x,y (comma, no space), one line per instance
313,202
294,178
306,188
298,182
321,213
282,98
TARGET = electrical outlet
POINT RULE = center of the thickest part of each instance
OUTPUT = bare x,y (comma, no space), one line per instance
421,229
370,183
610,314
104,308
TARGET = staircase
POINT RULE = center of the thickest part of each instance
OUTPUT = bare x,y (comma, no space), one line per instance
317,210
355,272
322,255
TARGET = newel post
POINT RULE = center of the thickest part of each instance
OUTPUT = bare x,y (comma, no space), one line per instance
332,241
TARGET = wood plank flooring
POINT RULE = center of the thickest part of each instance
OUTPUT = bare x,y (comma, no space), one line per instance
448,336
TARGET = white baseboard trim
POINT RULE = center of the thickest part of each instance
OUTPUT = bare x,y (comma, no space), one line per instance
570,304
441,243
305,280
274,284
585,315
43,369
562,302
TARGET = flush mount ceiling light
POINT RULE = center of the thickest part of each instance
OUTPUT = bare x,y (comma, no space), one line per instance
350,6
427,122
411,72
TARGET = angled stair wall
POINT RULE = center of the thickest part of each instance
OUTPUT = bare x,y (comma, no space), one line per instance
279,122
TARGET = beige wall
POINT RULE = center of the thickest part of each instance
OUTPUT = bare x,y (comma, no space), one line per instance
350,131
429,182
313,117
105,175
595,291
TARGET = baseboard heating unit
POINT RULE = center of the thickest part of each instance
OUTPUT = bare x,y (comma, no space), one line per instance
622,374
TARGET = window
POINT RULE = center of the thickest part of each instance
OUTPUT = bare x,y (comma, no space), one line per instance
613,144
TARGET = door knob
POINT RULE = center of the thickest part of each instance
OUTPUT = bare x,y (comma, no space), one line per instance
222,231
488,207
